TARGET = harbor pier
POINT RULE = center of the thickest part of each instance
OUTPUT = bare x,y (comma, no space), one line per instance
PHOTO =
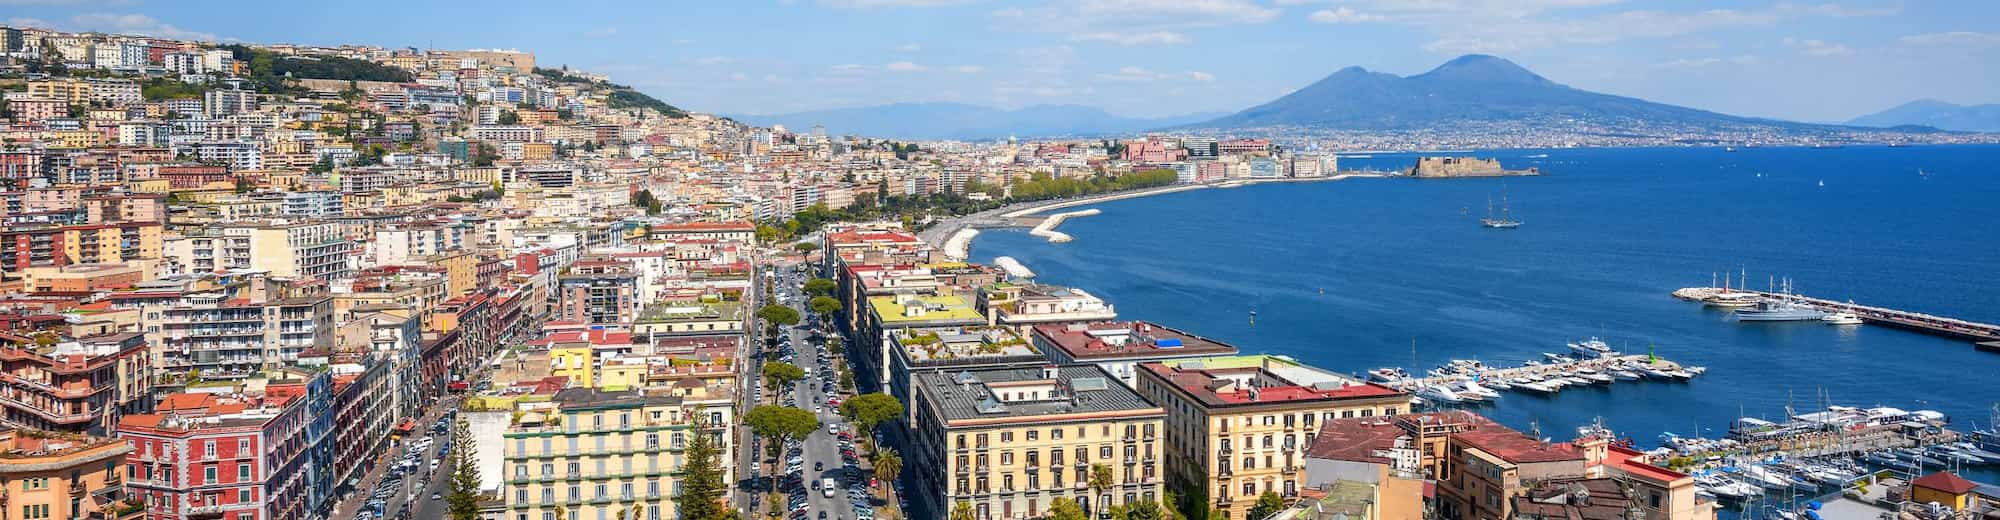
1908,320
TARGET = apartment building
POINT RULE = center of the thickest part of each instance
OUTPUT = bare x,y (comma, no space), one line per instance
22,247
1240,426
77,386
237,457
705,315
1024,305
598,292
224,336
54,476
1007,442
600,454
281,248
1119,347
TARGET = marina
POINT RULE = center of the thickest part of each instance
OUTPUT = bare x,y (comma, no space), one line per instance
1590,363
1752,305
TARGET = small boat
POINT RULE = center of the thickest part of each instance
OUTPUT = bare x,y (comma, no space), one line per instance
1555,358
1696,370
1841,318
1626,375
1679,375
1439,394
1499,384
1654,373
1473,388
1595,378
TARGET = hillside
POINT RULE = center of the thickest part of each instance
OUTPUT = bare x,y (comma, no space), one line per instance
964,121
1935,114
1468,88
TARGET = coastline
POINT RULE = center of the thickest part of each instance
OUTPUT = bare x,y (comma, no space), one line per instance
955,234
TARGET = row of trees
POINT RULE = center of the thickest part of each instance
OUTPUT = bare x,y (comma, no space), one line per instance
1041,186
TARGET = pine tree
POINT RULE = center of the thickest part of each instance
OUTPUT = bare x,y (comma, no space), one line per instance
701,483
464,486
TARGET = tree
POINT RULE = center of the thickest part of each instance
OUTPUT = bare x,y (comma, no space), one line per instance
1142,510
870,410
962,511
820,286
888,464
1065,509
1100,480
778,424
824,305
508,117
805,247
779,315
701,483
1267,504
779,374
463,490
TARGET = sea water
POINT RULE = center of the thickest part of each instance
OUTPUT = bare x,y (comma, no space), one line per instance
1347,275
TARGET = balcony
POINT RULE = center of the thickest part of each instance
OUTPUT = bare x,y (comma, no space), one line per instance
218,508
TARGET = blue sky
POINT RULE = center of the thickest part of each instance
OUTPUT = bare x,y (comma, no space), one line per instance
1803,60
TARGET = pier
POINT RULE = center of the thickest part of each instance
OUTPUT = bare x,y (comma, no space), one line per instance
1908,320
1530,378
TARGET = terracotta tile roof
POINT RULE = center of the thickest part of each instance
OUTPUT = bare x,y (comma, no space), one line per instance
1945,481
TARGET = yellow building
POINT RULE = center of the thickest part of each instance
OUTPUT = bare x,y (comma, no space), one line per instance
1240,426
574,361
599,453
49,475
75,91
708,315
1005,443
461,271
112,243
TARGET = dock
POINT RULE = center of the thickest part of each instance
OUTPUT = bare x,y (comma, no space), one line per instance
1548,370
1908,320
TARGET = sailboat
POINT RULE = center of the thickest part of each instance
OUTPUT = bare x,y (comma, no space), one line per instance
1505,221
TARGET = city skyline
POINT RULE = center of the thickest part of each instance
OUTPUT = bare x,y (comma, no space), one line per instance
1804,61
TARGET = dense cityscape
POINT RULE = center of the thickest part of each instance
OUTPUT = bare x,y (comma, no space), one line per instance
285,282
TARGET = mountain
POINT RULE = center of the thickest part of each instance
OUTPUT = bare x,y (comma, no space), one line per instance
1474,87
963,121
1936,114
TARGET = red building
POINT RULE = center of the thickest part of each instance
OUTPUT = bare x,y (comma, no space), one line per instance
184,176
215,457
81,386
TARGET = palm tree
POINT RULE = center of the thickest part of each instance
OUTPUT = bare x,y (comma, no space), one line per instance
888,464
1100,480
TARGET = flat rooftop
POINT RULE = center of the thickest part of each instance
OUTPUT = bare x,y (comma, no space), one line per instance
690,310
900,309
941,344
1133,339
1261,379
1078,391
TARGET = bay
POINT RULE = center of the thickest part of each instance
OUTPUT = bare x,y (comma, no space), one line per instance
1347,274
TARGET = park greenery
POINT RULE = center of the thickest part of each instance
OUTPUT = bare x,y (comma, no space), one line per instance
779,374
821,286
868,411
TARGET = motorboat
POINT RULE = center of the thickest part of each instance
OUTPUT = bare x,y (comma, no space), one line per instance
1841,318
1594,377
1388,375
1695,370
1652,372
1473,388
1623,374
1591,348
1539,388
1438,394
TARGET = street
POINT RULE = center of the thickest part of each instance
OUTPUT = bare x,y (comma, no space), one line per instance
413,486
829,454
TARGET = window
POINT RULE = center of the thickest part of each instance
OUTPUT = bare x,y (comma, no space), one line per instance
1249,488
521,495
208,449
1006,458
208,475
1055,433
1006,436
242,447
1032,434
961,441
548,495
244,496
242,472
548,470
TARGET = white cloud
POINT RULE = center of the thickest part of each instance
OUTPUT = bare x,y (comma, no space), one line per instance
1689,63
738,76
1819,48
1130,39
871,4
1200,76
29,22
1520,25
969,69
712,60
909,47
904,66
134,24
602,32
1133,22
1953,39
849,67
1344,14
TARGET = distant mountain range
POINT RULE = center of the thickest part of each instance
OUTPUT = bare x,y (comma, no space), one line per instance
1935,114
1473,87
963,121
